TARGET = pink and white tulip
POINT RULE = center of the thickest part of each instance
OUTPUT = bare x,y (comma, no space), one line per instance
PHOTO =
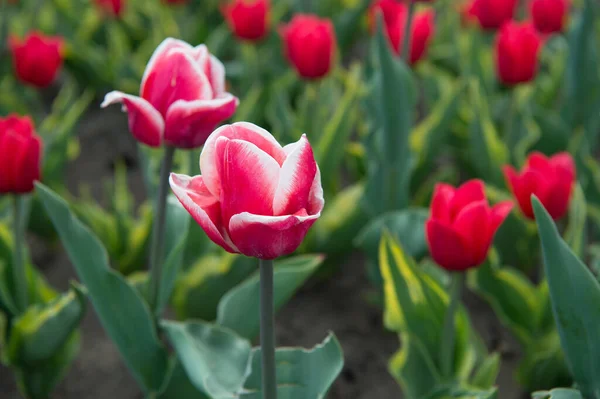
254,197
182,97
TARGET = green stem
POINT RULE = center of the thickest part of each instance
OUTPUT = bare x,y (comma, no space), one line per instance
3,28
19,271
407,31
447,352
267,330
158,228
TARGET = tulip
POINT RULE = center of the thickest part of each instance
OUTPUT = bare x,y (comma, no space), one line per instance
462,225
37,59
395,16
310,45
491,14
549,179
253,197
182,97
549,16
248,19
114,8
20,155
517,48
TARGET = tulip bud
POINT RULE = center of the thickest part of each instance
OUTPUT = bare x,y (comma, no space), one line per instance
395,15
254,197
517,48
37,59
462,225
182,97
248,19
113,8
549,16
310,45
20,155
491,14
550,179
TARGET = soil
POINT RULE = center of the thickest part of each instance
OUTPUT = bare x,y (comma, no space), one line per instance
337,304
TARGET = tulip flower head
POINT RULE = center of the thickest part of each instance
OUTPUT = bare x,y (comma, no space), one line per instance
182,97
462,225
491,14
114,8
248,19
551,180
37,58
395,16
549,16
254,197
310,45
517,49
20,155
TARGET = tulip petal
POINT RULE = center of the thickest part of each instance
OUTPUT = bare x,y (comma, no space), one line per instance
162,49
564,166
498,215
145,122
28,166
248,178
13,148
189,123
269,237
447,247
241,131
204,208
440,203
538,161
472,224
471,191
217,75
316,201
296,178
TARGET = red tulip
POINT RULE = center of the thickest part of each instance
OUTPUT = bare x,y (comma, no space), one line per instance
114,8
461,226
20,155
491,14
310,45
517,48
394,16
550,179
37,58
549,16
254,197
182,97
248,19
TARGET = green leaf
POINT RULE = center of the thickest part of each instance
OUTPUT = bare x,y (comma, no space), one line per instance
38,334
216,360
301,373
125,317
239,309
177,225
575,234
575,295
461,392
180,386
558,393
487,373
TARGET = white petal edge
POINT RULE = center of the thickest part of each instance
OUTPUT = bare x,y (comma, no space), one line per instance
166,45
117,97
189,107
240,219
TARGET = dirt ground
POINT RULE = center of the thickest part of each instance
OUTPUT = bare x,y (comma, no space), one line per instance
337,304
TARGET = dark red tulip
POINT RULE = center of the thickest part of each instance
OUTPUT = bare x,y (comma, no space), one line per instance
248,19
310,45
517,49
491,14
550,179
20,155
114,8
549,16
37,58
462,225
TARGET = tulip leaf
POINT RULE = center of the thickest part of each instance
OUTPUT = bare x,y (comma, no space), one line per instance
38,334
576,230
461,392
179,384
239,309
301,373
558,393
215,359
575,295
487,372
177,225
122,312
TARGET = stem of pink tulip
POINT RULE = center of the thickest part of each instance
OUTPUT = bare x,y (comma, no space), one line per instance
19,271
267,330
158,228
407,31
449,331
